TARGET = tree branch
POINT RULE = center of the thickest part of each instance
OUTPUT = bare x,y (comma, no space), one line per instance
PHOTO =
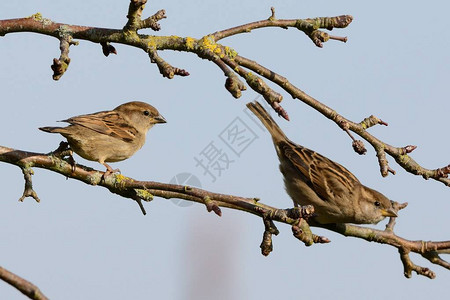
428,250
24,286
230,63
298,217
145,190
135,21
309,26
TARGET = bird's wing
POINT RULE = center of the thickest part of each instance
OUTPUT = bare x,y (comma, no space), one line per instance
328,179
108,123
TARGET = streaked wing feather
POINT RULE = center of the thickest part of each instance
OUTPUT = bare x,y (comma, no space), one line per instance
296,156
108,123
328,179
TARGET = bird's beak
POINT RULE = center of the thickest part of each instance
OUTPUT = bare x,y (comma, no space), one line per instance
389,213
159,119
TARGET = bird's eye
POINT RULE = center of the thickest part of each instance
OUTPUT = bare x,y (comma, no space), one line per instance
377,203
146,113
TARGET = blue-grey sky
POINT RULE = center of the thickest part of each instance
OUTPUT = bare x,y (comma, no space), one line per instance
82,242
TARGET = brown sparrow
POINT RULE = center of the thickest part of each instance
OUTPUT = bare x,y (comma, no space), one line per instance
312,179
110,136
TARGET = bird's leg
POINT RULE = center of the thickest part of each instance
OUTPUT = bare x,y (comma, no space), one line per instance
72,161
109,170
64,150
60,151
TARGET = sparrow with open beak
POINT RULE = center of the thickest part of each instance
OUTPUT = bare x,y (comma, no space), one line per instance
312,179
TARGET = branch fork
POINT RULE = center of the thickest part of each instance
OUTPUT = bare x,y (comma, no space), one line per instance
135,21
61,64
28,190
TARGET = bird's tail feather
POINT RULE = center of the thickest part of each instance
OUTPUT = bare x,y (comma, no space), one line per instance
273,128
50,129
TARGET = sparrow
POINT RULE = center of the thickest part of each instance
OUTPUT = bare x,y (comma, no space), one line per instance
110,136
312,179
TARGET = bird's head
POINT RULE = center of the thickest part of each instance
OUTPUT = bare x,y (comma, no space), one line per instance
374,206
141,115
